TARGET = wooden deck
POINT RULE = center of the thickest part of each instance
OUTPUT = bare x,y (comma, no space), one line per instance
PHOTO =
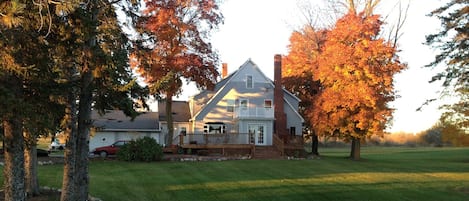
231,144
248,148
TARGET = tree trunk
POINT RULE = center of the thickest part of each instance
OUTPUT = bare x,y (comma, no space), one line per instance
78,181
30,166
315,144
355,150
169,118
13,170
84,124
70,161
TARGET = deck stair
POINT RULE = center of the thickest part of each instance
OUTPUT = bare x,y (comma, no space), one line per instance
266,152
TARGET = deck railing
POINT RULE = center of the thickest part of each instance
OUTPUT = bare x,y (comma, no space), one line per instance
258,112
226,138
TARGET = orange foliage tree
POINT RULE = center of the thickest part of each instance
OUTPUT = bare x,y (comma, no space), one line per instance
302,59
174,44
356,70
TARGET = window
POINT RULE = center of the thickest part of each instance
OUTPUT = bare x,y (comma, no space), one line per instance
249,84
243,103
230,104
292,131
214,128
267,103
183,131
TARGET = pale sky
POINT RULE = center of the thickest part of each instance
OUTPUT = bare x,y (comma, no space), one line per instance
259,29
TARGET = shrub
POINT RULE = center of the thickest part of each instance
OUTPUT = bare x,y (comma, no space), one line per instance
143,149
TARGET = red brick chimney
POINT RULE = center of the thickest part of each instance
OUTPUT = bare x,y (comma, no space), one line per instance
224,70
279,114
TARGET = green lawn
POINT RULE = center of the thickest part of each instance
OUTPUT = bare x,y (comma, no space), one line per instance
383,174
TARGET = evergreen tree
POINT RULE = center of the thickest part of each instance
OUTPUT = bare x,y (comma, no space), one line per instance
453,42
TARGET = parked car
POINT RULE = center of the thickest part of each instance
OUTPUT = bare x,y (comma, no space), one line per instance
40,152
56,145
109,150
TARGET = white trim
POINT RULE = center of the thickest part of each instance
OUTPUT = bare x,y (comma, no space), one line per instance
289,93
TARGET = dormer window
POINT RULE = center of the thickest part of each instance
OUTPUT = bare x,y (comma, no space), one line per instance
249,83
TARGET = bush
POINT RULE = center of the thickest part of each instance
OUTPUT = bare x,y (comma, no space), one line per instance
143,149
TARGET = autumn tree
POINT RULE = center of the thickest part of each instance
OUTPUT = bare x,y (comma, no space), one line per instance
302,60
173,44
453,43
310,62
356,70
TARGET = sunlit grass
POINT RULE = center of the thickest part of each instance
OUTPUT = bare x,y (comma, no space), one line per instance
383,174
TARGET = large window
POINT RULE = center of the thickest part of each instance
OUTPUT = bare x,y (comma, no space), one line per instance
249,83
214,128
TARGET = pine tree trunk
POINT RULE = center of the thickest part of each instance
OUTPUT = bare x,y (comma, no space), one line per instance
14,188
30,165
84,124
355,150
13,171
169,118
78,181
70,161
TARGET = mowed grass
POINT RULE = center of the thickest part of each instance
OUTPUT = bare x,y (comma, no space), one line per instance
383,174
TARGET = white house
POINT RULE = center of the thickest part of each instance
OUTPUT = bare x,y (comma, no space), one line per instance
246,102
245,108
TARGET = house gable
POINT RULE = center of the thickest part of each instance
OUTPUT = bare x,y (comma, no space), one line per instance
234,87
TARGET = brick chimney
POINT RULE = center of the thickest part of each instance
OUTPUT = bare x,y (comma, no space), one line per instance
279,114
224,70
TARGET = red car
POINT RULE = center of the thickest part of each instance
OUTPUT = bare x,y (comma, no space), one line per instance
109,150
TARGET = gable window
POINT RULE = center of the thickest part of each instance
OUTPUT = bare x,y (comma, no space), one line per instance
230,104
268,103
249,83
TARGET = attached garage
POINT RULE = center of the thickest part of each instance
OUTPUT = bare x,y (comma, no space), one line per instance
114,125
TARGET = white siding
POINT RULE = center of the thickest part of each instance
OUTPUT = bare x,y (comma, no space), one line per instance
104,138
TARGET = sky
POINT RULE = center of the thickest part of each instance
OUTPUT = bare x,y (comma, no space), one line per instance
259,29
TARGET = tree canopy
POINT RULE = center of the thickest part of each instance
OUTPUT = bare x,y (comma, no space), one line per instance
58,59
354,68
173,45
453,42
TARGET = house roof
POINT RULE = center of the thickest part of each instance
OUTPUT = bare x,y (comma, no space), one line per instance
117,120
180,111
220,85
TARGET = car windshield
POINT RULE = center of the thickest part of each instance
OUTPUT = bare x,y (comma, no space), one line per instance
120,143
